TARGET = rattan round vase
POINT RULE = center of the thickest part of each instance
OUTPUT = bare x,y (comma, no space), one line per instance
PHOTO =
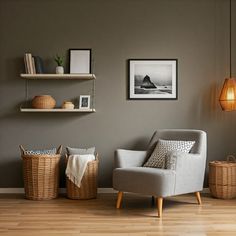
41,175
222,178
88,187
43,102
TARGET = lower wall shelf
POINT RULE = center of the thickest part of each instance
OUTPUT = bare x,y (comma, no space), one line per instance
56,110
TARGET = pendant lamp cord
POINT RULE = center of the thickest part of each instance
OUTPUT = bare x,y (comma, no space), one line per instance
230,54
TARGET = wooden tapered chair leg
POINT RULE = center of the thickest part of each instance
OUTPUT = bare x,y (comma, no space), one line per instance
119,199
159,206
198,196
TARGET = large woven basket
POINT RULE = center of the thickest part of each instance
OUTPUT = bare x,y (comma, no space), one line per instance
41,175
88,187
222,178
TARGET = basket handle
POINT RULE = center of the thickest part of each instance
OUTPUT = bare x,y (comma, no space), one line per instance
22,149
231,158
59,149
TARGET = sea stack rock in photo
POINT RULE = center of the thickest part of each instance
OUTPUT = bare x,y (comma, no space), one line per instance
147,83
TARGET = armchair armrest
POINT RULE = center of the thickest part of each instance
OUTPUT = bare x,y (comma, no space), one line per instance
129,158
190,171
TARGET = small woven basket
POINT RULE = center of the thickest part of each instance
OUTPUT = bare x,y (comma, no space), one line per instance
41,175
43,102
88,187
222,178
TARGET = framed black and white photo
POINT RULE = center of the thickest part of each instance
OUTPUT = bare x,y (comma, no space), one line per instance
84,102
153,79
80,61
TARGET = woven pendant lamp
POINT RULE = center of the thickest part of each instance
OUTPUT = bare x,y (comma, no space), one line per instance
228,95
228,92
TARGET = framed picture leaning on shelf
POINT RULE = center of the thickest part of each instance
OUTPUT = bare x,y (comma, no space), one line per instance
153,79
80,61
84,102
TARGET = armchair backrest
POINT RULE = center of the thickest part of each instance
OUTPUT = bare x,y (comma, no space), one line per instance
198,136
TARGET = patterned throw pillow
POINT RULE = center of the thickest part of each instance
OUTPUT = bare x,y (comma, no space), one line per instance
157,158
52,151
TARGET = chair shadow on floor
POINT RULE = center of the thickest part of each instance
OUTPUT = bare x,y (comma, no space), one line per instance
138,205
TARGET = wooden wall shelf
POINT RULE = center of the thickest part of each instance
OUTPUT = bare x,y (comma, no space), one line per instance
57,110
69,77
59,76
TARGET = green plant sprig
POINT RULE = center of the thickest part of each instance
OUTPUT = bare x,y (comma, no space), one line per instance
59,60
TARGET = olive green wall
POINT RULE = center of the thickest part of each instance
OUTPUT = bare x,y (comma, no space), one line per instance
195,32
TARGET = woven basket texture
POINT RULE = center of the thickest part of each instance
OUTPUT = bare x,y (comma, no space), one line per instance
43,102
222,178
41,175
88,187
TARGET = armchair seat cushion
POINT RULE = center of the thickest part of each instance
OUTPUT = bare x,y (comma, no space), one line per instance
144,180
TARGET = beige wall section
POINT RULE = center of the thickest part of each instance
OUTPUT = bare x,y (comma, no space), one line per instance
193,31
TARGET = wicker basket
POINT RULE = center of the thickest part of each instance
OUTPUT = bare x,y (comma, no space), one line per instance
41,175
43,102
88,187
222,178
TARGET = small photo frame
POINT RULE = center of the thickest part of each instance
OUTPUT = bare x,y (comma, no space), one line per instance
80,61
153,79
84,102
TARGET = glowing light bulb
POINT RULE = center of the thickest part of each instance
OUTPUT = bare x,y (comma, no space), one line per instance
230,94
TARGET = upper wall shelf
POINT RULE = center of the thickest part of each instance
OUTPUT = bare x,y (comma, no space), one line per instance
59,76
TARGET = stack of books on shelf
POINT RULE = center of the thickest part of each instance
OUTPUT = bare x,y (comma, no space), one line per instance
33,64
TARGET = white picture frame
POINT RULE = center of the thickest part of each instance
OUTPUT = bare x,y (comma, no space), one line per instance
153,79
80,61
84,102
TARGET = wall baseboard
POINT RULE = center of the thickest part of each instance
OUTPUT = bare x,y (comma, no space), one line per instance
63,190
11,190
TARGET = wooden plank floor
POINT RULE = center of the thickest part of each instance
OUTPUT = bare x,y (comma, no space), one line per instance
181,216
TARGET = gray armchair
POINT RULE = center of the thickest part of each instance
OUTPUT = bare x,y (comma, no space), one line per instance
186,177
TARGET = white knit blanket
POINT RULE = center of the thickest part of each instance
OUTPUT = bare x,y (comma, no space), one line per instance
76,167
